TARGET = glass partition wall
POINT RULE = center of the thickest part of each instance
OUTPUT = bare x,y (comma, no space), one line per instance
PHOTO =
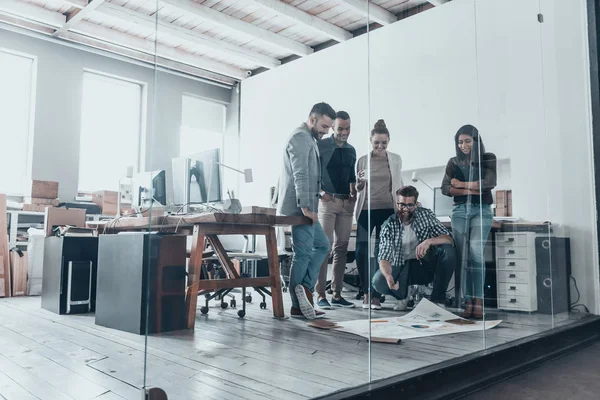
285,206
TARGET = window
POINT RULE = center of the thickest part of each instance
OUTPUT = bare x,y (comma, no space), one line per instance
202,125
111,130
17,107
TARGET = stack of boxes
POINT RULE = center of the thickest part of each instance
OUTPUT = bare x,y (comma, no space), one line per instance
43,194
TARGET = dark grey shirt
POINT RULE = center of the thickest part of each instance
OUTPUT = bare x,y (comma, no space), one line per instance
337,166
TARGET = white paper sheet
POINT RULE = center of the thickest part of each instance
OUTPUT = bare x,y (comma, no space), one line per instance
427,319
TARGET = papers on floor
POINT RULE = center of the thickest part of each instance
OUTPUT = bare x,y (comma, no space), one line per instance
427,319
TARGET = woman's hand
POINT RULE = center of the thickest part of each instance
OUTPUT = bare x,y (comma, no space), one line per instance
360,180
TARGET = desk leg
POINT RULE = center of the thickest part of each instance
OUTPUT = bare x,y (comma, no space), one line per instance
274,274
191,297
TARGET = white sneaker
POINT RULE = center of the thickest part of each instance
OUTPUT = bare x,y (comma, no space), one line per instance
305,307
401,305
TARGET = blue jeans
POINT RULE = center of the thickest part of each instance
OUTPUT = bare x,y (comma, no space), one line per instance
471,225
437,266
311,246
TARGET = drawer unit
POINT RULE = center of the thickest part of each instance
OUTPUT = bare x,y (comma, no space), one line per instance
513,289
516,271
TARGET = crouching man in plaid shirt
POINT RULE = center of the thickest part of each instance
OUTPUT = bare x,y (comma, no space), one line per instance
414,249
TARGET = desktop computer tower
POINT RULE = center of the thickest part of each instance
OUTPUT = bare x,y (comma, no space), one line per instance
69,274
553,264
141,282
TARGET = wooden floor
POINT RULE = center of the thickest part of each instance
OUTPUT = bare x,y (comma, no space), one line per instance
47,356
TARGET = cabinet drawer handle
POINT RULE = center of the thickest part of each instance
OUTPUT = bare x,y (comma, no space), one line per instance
510,239
513,300
511,252
513,288
512,264
512,275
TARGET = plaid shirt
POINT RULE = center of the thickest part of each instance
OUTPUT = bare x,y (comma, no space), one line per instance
425,225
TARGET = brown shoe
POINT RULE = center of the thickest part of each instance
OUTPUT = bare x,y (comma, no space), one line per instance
468,313
296,313
478,309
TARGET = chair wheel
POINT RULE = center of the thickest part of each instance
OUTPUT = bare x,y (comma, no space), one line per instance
241,313
232,303
204,310
263,305
284,290
248,299
358,296
224,305
411,303
382,299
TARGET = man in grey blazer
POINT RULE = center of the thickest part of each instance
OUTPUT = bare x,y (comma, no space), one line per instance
298,194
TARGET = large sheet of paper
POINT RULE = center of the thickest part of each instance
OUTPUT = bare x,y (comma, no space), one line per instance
427,319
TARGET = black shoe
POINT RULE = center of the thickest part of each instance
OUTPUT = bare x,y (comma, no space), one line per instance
341,302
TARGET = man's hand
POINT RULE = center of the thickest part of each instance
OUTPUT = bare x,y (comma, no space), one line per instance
422,249
310,214
393,285
327,197
456,183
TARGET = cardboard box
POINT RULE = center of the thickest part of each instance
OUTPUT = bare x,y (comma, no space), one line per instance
503,203
44,189
107,200
35,207
40,201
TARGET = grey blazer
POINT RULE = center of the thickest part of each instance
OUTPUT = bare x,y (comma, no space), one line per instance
300,178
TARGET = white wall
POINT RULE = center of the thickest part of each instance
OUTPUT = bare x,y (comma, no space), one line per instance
58,108
525,85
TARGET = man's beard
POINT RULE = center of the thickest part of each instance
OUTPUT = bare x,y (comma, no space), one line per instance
405,216
315,133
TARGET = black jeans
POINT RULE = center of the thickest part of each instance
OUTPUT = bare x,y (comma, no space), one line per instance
363,234
437,266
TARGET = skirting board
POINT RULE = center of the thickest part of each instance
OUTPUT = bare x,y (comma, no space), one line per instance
458,377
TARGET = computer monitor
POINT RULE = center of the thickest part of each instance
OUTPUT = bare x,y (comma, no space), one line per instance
442,204
149,189
197,178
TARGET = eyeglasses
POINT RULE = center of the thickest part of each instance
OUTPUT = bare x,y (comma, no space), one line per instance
404,205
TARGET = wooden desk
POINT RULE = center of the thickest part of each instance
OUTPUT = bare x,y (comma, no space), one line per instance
205,228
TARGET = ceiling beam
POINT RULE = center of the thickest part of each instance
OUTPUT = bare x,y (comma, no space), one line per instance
310,21
76,16
372,11
227,49
31,12
85,43
135,43
232,23
75,3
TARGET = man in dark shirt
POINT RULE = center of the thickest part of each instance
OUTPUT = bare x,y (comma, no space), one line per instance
336,208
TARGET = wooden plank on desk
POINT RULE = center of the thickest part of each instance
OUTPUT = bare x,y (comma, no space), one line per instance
243,219
4,256
215,284
258,210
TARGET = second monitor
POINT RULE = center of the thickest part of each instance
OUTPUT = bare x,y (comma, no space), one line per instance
197,178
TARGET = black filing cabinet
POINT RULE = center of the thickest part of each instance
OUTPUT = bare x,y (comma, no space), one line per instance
141,277
69,277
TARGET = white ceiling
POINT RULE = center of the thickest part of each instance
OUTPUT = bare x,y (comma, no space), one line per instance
222,40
